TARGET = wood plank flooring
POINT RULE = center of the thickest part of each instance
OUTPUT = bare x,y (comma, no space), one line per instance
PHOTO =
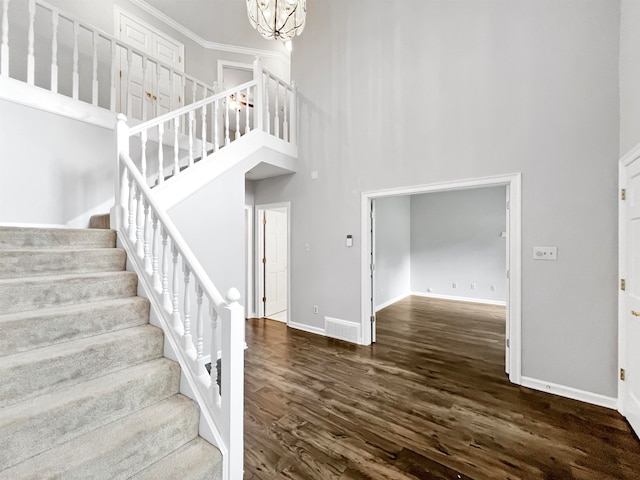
430,400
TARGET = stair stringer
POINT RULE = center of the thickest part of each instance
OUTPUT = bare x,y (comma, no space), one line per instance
254,148
207,428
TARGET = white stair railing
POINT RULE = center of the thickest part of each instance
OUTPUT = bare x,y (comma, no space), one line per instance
175,281
101,65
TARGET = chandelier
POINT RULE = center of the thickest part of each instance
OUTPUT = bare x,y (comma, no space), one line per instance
277,19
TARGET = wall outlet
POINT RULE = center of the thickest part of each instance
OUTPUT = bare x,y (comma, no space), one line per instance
315,309
429,290
545,253
454,285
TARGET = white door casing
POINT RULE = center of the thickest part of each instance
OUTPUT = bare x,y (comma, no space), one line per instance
513,183
156,93
629,296
276,264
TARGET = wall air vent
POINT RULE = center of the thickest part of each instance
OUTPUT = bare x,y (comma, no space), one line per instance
342,329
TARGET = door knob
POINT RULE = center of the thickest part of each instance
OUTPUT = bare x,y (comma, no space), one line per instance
635,314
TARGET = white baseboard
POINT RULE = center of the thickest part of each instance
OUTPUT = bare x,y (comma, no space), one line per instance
569,392
306,328
460,299
392,301
82,220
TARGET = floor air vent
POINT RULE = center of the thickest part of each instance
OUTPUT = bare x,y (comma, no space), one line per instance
341,329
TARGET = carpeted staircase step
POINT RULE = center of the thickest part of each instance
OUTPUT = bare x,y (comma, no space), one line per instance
197,460
19,295
31,263
13,238
36,372
33,426
119,449
23,331
100,221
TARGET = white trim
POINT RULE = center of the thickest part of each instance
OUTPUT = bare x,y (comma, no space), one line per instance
306,328
206,43
392,301
460,299
250,247
513,182
570,392
35,225
36,97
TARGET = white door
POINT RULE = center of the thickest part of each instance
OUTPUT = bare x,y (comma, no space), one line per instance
275,261
148,92
629,315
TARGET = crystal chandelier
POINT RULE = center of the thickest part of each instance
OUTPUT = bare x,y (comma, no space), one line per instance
277,19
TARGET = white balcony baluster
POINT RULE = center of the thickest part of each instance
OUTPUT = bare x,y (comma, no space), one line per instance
237,115
216,127
55,20
204,132
31,59
191,114
247,128
160,155
176,146
276,118
285,123
227,140
4,47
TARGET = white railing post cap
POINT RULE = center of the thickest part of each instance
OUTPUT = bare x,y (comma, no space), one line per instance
233,296
121,117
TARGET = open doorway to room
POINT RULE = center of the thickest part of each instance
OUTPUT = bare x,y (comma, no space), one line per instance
470,256
272,266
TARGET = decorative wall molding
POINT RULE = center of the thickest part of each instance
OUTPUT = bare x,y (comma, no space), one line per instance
570,392
460,299
223,47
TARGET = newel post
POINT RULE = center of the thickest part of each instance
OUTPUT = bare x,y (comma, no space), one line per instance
122,147
232,377
258,111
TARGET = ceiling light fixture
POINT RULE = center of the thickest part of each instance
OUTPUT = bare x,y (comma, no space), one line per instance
277,19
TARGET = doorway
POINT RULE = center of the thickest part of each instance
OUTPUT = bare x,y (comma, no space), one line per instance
272,266
513,258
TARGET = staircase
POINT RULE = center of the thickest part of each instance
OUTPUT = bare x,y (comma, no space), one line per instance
85,391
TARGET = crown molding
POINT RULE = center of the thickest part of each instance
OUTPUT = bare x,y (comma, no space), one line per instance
206,43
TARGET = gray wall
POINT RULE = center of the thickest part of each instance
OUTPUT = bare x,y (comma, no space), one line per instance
455,238
393,248
629,75
45,178
417,92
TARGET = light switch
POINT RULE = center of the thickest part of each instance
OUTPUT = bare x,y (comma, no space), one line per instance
349,240
545,253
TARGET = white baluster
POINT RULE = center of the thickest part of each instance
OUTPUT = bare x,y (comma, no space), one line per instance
128,87
201,371
237,115
187,338
143,154
76,74
215,390
114,76
160,154
285,123
166,298
193,92
148,264
146,93
293,136
31,59
226,122
177,324
276,119
247,129
55,20
94,96
131,230
4,47
204,132
191,113
176,146
140,225
157,284
267,124
216,127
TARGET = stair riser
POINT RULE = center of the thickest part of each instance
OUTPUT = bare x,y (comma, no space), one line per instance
31,263
35,293
28,330
44,422
122,449
15,238
37,372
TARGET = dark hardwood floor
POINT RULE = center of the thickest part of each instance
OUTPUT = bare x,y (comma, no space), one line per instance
430,400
